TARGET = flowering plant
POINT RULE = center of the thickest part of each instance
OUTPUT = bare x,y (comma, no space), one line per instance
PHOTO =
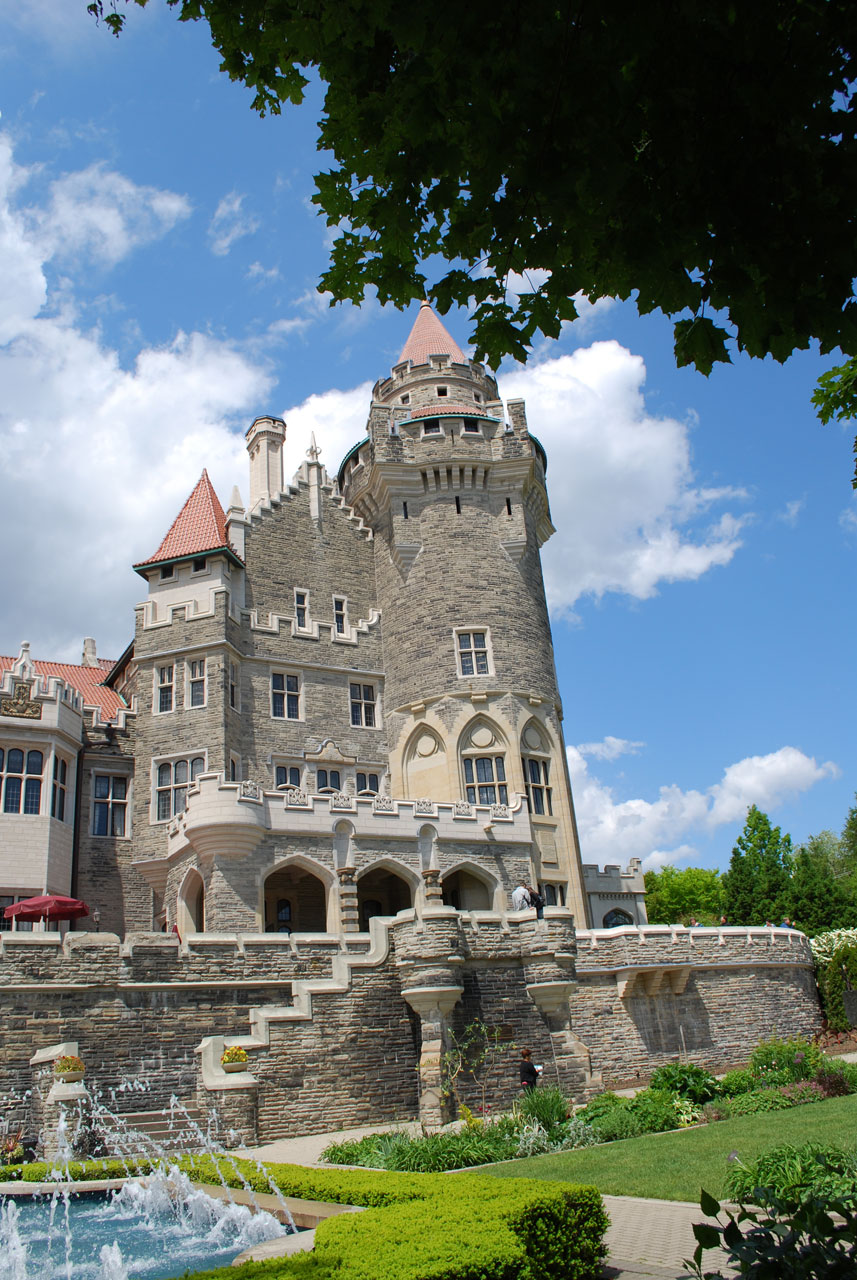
233,1053
68,1062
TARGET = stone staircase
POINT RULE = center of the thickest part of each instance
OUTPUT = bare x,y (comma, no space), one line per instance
155,1132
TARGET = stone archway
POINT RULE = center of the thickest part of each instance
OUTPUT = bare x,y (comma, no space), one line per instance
190,907
467,891
617,919
381,891
295,900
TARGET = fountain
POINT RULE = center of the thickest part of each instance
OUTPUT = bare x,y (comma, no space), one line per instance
156,1226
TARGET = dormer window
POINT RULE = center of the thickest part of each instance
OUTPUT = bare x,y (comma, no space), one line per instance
199,565
443,391
431,429
167,571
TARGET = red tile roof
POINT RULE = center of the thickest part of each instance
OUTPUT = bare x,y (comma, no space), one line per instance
86,680
429,337
444,409
200,526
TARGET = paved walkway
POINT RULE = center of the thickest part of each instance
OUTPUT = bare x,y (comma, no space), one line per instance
647,1239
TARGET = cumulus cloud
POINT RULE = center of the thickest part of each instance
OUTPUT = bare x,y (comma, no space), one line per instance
610,749
97,458
791,512
230,223
658,831
629,512
97,214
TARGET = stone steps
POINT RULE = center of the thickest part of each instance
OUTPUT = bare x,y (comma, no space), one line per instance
157,1131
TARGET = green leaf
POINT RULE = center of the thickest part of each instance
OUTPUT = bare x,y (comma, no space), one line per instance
709,1206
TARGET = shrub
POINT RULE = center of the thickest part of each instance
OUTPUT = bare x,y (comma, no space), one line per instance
428,1153
758,1100
602,1104
802,1091
798,1058
741,1080
794,1172
549,1107
578,1134
687,1080
833,1081
617,1124
654,1110
781,1242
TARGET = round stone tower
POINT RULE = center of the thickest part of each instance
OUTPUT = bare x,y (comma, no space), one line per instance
453,487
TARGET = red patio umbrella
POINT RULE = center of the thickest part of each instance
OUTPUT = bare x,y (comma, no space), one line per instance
48,906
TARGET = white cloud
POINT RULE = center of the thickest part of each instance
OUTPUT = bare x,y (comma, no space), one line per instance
792,511
101,215
610,749
97,459
848,518
658,831
629,513
229,224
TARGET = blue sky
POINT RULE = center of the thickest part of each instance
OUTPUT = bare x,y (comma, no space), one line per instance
159,256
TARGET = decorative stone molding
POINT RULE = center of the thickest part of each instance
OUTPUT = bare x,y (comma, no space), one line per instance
341,800
384,804
437,1002
651,980
425,808
550,997
297,799
251,791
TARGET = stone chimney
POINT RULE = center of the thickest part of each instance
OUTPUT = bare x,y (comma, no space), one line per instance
265,441
89,659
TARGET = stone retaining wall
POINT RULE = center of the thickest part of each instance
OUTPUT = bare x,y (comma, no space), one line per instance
347,1030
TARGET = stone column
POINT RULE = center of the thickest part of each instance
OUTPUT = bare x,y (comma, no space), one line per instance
433,1005
433,890
549,957
349,913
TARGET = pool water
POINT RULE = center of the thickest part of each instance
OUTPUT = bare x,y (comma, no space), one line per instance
148,1233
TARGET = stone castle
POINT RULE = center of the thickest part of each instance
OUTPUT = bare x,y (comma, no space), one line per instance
298,803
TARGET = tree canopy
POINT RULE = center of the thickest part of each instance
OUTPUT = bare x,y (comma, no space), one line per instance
674,896
698,157
757,883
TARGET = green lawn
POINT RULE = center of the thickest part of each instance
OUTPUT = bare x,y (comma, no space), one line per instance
674,1166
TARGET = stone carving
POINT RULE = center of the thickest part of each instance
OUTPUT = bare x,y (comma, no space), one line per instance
339,800
482,736
499,811
295,797
461,809
21,704
251,790
384,804
425,807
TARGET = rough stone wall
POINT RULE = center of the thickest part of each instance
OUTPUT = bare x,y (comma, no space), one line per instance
104,878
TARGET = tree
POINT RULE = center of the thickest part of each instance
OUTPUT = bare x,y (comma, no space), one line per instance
756,885
699,157
674,896
817,901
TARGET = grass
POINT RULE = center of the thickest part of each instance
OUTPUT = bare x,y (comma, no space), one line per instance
674,1166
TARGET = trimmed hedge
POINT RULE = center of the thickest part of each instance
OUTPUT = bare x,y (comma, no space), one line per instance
428,1226
78,1170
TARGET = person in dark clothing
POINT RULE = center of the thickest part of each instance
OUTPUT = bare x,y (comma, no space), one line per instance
529,1074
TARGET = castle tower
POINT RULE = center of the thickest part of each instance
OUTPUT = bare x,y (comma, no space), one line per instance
454,491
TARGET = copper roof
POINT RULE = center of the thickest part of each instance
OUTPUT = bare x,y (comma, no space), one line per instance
86,680
200,526
429,337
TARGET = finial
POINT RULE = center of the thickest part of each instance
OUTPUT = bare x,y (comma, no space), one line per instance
313,451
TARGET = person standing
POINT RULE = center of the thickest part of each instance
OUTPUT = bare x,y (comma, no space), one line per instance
520,896
529,1074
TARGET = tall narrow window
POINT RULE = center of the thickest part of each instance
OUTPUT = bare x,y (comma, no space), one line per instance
405,510
473,653
196,682
58,796
287,775
165,688
536,777
173,778
339,615
457,505
233,686
485,780
285,696
110,804
301,608
508,506
363,705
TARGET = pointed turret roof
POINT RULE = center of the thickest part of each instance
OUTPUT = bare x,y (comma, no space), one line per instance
429,337
199,527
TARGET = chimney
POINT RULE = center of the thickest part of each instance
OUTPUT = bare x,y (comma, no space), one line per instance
89,659
265,441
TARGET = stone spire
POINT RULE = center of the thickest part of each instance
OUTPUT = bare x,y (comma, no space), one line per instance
429,337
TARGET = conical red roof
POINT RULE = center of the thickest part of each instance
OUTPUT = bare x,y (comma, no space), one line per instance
429,337
200,526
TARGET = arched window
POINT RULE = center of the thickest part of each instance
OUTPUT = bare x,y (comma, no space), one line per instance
483,763
22,781
616,918
535,760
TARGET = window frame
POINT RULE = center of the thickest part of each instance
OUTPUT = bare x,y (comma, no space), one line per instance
234,680
188,758
306,625
478,789
328,787
288,769
463,652
287,694
161,687
538,792
59,787
113,804
363,703
193,679
367,789
340,616
24,796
